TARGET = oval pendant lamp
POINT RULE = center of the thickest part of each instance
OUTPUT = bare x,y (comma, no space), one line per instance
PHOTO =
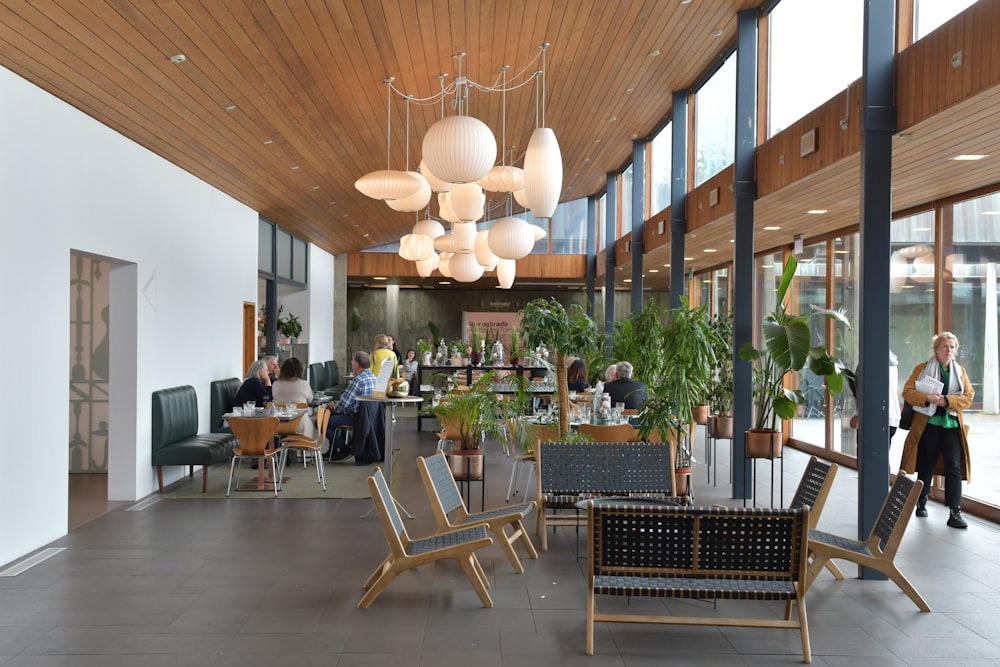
543,172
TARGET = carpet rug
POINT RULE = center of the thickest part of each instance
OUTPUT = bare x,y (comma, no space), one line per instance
342,481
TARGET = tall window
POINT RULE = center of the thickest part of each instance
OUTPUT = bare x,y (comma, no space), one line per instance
569,228
844,344
625,222
602,216
658,173
809,289
715,122
931,14
810,62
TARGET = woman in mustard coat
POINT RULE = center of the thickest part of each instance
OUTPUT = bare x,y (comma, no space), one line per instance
939,391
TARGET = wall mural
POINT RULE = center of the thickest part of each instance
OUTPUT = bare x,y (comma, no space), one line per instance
88,378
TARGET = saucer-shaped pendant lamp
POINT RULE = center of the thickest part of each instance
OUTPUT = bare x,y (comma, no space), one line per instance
460,149
387,184
503,178
539,232
464,234
467,201
506,268
415,202
429,227
543,172
437,185
521,198
511,238
484,255
425,267
464,268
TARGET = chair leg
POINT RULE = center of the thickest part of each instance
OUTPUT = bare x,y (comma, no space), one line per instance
521,533
320,470
473,571
505,543
384,580
159,477
905,586
204,479
804,631
232,464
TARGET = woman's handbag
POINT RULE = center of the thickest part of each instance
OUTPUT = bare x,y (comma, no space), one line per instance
906,416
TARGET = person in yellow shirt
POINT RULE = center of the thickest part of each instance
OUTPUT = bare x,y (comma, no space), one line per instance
383,350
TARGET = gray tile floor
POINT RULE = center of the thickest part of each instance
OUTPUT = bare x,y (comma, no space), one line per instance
264,582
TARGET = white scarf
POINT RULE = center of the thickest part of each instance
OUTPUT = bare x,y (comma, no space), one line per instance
932,369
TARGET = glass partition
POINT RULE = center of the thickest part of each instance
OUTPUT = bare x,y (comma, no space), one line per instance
844,343
625,188
809,289
658,172
715,122
569,228
928,15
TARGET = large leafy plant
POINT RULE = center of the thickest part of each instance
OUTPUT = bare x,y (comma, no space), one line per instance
720,388
787,347
480,412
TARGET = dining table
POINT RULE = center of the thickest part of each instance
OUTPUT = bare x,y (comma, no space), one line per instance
265,482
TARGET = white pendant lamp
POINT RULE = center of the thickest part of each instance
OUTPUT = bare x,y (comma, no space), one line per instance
511,238
464,268
414,247
425,267
521,198
467,201
460,149
503,178
444,207
445,243
429,227
506,268
539,232
445,263
484,255
387,184
464,234
543,172
437,185
418,200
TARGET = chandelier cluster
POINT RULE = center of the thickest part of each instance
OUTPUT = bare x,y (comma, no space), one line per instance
460,165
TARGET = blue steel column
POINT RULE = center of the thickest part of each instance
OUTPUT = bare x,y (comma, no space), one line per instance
678,194
611,202
878,124
638,217
591,253
744,193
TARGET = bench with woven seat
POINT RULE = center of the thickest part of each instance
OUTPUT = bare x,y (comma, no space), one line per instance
702,553
570,471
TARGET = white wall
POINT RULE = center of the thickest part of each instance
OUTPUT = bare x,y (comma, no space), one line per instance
70,183
320,305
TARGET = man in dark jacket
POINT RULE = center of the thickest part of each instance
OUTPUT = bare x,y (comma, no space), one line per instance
625,389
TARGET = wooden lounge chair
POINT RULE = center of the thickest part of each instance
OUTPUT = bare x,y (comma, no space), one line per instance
879,550
406,553
443,493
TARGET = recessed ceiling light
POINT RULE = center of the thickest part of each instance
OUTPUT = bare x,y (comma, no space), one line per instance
315,187
377,277
366,235
444,282
654,53
817,211
231,107
711,250
654,270
178,59
716,33
666,266
627,280
295,167
689,259
907,287
971,157
771,229
268,142
612,119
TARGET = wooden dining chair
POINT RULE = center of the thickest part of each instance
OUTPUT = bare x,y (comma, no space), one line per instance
609,433
878,551
310,446
406,553
255,437
450,511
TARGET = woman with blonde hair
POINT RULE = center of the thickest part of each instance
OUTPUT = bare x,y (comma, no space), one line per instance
383,350
939,391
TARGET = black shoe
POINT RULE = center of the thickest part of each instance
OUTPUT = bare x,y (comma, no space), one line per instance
955,519
922,507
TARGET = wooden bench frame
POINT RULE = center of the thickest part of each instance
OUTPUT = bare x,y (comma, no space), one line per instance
571,471
705,553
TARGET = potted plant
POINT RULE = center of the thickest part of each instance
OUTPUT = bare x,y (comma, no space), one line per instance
547,322
515,346
469,417
786,348
289,326
688,347
425,350
476,345
720,388
634,341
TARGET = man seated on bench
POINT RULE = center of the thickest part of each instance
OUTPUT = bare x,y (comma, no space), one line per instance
362,384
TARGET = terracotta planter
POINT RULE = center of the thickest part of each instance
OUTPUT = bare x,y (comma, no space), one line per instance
682,479
723,427
466,463
763,444
700,414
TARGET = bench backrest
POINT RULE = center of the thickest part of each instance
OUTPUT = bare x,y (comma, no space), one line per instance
890,524
222,393
709,542
608,468
175,415
317,377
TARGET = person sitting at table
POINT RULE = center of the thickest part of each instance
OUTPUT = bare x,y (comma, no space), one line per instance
576,376
256,386
272,367
611,373
410,366
383,350
362,384
291,388
625,389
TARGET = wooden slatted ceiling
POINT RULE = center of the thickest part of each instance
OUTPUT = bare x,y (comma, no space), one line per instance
304,78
